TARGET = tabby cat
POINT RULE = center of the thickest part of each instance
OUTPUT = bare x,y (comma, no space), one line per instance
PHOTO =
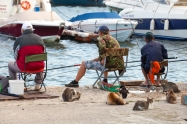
143,105
170,85
70,95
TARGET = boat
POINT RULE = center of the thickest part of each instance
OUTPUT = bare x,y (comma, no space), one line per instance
38,12
79,36
165,21
90,22
78,2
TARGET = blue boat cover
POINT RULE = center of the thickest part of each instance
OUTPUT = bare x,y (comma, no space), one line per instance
94,15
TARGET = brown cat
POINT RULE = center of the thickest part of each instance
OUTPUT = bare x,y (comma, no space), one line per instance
170,85
170,97
114,98
70,95
143,105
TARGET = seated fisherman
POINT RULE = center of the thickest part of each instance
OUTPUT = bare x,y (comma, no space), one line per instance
27,44
152,51
105,41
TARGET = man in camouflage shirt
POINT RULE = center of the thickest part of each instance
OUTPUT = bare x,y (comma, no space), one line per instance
104,41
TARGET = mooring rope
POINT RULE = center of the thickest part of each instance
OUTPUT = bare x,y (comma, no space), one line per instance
62,13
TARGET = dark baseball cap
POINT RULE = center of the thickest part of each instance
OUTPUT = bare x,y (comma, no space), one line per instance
149,35
104,29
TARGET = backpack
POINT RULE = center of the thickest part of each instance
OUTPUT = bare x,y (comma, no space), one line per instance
4,83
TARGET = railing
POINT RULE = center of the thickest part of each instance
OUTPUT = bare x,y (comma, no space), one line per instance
172,6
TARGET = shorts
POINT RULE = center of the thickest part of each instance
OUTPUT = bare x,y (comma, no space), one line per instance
147,70
96,65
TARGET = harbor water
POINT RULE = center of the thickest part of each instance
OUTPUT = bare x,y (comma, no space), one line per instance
75,53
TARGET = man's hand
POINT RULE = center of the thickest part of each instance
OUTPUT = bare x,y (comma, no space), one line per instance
96,59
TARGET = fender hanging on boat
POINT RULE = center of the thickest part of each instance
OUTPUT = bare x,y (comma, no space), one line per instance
152,25
166,24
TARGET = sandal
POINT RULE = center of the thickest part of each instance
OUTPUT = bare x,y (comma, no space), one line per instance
143,84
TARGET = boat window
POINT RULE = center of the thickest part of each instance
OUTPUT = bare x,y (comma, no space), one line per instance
162,21
140,21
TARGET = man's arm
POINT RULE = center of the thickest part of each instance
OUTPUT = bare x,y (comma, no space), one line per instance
143,57
164,52
102,46
16,49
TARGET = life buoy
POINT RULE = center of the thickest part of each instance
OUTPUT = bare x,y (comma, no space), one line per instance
25,5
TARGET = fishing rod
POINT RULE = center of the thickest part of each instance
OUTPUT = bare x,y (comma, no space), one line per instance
65,67
3,66
178,48
178,60
80,64
140,61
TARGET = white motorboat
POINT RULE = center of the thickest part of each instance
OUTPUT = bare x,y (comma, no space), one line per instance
164,21
13,13
119,28
165,18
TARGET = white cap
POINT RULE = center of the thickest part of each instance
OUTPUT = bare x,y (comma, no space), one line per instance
27,25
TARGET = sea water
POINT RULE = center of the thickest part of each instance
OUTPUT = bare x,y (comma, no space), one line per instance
75,53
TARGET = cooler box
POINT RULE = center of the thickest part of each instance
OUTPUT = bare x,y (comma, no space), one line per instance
16,87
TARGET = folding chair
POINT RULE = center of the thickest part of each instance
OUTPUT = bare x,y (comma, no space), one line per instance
26,74
113,52
162,64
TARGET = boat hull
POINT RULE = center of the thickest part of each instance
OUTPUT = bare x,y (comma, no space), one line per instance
14,30
177,29
164,35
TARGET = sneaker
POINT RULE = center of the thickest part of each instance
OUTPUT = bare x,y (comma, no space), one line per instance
72,84
37,87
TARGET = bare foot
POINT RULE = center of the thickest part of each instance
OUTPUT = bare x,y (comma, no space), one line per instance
144,84
106,84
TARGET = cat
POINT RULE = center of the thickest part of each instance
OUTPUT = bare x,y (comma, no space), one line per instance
170,97
143,105
114,98
123,91
170,85
70,95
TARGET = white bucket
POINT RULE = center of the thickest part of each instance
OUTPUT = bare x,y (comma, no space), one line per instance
16,87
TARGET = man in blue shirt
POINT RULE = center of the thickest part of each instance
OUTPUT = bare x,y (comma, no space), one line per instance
152,51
